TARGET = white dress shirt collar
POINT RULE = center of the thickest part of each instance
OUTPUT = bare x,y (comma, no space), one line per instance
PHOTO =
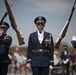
40,36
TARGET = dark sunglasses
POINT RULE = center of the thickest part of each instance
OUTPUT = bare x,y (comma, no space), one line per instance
40,23
2,27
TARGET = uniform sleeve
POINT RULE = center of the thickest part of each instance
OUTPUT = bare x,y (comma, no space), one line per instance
61,56
51,51
29,49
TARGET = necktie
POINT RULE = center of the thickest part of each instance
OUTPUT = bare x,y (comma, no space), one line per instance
40,31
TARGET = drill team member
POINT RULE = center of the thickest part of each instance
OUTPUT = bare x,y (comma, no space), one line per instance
40,49
5,42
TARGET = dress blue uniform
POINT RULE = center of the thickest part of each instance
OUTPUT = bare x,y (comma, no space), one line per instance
65,57
43,58
40,54
5,42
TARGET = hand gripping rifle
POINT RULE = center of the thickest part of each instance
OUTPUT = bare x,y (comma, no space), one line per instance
3,18
13,24
64,30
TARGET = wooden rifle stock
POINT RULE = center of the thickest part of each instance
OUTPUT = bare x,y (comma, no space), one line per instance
64,30
13,24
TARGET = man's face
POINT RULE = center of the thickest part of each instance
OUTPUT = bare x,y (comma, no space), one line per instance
40,25
2,30
65,48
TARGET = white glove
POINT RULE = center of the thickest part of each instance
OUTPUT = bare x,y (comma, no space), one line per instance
64,62
67,60
28,65
51,67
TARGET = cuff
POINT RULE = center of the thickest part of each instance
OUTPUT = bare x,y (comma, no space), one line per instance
51,62
28,61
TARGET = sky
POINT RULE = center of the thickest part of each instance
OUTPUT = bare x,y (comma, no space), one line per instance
56,12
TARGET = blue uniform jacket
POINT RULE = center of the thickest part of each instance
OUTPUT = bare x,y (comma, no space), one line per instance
40,59
5,43
63,56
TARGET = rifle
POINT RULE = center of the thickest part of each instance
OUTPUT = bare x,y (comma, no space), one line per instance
3,18
13,24
64,30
